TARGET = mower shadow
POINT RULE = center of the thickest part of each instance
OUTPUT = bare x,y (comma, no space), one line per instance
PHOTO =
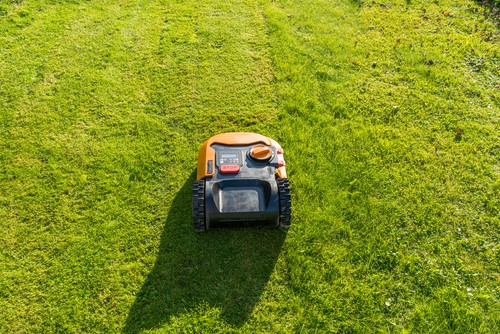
226,269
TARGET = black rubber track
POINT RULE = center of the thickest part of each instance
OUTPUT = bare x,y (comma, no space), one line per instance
285,203
199,206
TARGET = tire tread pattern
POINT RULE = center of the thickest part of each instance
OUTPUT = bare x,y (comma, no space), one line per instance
199,206
285,199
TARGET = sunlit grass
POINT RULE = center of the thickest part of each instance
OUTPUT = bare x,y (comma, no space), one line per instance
389,117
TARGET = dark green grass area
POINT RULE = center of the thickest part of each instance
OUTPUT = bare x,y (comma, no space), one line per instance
388,113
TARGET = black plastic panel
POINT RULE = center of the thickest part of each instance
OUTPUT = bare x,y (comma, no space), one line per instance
249,196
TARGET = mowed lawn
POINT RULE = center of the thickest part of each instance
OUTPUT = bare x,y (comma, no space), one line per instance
389,116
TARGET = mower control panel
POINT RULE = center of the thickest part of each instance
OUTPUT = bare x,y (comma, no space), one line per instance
252,161
231,157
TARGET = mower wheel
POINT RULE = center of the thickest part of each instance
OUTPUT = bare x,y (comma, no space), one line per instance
285,203
199,206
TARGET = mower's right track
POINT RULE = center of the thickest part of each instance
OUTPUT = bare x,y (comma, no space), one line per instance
285,203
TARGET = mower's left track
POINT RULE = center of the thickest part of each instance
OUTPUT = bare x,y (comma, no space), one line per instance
199,221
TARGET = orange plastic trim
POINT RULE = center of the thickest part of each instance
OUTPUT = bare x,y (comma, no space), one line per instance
207,153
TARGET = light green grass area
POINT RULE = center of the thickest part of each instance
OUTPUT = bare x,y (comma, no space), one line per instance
389,116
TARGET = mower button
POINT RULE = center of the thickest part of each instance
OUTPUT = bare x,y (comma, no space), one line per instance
229,169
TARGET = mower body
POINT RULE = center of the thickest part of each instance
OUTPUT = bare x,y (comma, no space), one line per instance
241,177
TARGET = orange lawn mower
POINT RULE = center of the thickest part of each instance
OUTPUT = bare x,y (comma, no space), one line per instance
241,178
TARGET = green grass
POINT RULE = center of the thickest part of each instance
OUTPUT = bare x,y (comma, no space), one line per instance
388,113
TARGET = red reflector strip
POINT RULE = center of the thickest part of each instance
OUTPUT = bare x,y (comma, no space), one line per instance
229,169
281,163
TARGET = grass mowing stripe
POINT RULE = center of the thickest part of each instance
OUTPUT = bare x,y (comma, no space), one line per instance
386,181
105,105
68,165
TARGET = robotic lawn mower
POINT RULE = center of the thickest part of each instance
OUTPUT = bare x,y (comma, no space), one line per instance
241,177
